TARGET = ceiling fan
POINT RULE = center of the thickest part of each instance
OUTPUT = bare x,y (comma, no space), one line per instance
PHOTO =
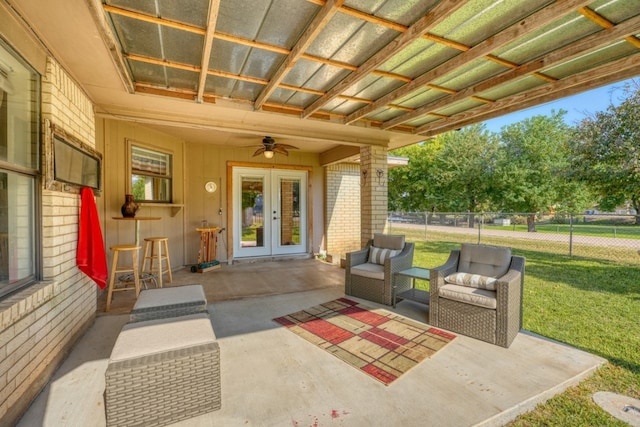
270,147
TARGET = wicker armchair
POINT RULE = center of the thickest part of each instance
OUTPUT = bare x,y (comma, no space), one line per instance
369,273
478,293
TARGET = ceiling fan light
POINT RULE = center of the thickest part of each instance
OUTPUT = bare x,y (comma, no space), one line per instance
268,154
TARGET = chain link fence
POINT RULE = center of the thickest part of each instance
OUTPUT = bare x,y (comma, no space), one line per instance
608,236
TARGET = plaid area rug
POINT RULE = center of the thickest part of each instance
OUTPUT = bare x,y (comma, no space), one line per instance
379,343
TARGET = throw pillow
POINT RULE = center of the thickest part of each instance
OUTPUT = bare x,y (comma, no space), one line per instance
379,255
472,280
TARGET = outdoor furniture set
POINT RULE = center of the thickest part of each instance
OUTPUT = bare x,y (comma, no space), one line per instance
477,292
165,364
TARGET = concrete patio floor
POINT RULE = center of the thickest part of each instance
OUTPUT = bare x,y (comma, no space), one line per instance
272,377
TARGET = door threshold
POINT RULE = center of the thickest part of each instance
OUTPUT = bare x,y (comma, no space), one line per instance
271,258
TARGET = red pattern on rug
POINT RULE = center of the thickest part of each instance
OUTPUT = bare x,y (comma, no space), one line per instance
379,343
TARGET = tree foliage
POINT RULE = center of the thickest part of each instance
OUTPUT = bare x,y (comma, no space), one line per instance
532,165
411,188
463,168
606,152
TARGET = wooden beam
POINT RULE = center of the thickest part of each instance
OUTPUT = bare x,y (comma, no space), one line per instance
529,24
579,47
417,30
214,5
310,34
338,154
608,73
154,19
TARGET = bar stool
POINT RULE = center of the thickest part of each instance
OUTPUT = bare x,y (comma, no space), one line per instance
115,269
159,252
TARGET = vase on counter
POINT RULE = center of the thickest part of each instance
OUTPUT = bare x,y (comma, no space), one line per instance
129,208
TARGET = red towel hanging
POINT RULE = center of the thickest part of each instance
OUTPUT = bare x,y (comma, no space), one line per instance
90,256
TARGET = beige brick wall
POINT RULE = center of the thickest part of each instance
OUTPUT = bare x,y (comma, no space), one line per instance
374,194
342,209
40,323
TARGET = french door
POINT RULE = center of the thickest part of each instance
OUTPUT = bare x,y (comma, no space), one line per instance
269,212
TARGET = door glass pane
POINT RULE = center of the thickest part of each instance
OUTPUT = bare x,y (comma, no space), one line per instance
252,212
289,211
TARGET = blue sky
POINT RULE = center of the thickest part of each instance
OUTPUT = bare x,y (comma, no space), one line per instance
578,107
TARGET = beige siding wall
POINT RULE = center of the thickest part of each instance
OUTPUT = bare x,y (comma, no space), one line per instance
209,162
342,209
113,137
40,324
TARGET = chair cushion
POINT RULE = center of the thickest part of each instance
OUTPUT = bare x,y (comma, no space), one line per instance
372,271
389,241
474,296
472,280
161,335
379,255
491,261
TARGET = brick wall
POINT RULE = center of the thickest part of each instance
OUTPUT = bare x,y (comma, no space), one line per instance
342,209
374,196
41,323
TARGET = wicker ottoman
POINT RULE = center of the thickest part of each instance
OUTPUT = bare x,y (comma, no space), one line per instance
163,371
169,302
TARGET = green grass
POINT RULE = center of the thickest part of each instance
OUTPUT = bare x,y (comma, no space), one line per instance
589,302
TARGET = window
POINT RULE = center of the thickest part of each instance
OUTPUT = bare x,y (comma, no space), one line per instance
19,154
151,172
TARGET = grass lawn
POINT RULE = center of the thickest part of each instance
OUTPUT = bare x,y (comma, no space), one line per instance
587,302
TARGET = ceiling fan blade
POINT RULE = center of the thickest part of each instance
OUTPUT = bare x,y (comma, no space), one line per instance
287,146
259,151
280,150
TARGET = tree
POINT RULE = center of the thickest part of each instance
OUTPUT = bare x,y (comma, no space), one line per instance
532,167
606,152
463,169
411,187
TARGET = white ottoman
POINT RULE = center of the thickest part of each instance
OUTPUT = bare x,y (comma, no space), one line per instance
162,371
169,302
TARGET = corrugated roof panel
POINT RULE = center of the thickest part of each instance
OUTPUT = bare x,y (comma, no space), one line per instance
423,120
148,7
513,87
562,32
246,90
241,18
419,57
137,37
385,114
301,99
460,107
420,97
326,77
342,106
182,79
373,87
181,46
219,86
281,96
192,12
593,59
616,11
148,73
470,74
404,12
334,36
369,39
301,72
298,13
262,63
480,19
227,56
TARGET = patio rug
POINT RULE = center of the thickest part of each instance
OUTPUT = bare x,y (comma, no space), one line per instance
375,341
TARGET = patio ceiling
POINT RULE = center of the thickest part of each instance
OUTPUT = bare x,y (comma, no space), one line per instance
388,72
